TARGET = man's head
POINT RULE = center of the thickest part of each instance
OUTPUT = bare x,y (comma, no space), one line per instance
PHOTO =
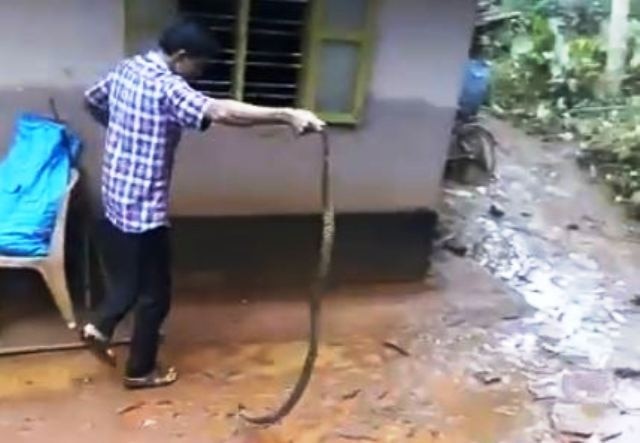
187,45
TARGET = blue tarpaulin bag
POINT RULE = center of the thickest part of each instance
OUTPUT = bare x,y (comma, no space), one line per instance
475,86
33,180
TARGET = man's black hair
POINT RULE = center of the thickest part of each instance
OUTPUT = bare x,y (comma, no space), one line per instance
194,38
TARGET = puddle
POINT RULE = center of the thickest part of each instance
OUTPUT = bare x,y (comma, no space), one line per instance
579,308
39,376
569,274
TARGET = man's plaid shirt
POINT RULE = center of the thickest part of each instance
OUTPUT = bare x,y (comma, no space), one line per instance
146,107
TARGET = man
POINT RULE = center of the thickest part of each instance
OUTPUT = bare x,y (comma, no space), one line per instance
145,102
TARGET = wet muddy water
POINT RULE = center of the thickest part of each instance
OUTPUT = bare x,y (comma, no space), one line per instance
510,344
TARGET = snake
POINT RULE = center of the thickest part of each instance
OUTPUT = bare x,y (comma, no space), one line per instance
318,289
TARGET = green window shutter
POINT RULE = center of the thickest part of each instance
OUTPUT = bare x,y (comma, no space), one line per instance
338,58
241,42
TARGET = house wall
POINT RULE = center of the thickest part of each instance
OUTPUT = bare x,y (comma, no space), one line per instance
392,163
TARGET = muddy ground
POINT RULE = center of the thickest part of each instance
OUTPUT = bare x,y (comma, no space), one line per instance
529,337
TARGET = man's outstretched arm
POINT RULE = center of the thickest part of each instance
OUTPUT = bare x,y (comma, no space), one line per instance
194,110
235,113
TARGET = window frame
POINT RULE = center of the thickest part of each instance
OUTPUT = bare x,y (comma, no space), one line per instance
316,36
243,13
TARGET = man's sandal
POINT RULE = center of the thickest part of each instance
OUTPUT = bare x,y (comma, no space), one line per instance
156,379
99,347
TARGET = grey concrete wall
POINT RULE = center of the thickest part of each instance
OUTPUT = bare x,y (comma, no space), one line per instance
58,43
392,162
144,21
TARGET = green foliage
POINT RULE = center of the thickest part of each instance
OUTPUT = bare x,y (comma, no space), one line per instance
522,79
612,141
582,17
580,77
548,71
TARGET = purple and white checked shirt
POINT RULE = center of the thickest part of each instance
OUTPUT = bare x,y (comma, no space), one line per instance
147,106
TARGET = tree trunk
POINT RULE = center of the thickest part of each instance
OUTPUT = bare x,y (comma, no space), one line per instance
617,45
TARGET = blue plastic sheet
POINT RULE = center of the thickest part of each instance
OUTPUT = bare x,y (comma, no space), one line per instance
33,180
475,86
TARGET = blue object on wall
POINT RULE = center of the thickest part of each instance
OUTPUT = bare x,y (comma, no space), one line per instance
33,180
475,86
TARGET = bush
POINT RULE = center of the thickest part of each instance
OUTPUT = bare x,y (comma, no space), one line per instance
548,79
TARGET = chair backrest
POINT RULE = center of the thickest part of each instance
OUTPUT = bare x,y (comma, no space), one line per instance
56,248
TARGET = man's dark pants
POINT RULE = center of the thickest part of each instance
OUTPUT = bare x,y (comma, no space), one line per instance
138,276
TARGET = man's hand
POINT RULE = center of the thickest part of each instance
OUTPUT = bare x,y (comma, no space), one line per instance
234,113
303,121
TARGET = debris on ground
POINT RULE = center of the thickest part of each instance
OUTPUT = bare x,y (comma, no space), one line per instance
579,421
209,375
452,320
496,211
455,246
487,378
397,348
546,388
378,393
351,394
79,381
460,193
164,402
130,408
627,373
356,432
234,376
509,411
148,423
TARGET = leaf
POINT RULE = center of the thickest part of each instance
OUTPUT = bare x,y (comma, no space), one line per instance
521,45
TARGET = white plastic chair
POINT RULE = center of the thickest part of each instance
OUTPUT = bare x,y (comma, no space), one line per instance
52,266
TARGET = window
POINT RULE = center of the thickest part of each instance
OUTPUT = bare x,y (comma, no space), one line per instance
312,53
339,54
